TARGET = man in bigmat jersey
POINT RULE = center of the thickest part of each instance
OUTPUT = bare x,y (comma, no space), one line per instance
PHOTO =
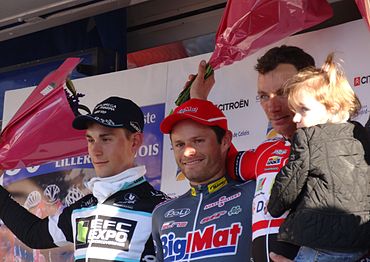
114,222
263,163
212,221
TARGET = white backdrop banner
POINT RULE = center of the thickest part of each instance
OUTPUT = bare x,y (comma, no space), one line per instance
156,87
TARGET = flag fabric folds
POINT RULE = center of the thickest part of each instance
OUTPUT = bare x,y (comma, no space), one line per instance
248,25
364,7
41,130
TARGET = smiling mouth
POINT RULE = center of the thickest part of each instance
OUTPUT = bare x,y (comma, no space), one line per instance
100,162
192,162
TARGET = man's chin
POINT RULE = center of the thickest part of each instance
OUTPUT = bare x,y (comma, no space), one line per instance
285,131
284,121
102,173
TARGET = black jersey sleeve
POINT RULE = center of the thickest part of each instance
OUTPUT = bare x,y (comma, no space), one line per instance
28,228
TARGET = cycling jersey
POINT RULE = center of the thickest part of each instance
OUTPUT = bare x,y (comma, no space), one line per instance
208,223
262,164
116,229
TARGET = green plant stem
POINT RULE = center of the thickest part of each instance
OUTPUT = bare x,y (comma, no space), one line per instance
185,93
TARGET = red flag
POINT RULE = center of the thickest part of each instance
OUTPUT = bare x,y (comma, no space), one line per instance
248,25
41,130
364,7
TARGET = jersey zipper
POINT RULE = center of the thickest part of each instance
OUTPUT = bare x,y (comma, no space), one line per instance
195,224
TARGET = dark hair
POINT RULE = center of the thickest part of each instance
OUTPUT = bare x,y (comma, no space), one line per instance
284,55
127,132
220,133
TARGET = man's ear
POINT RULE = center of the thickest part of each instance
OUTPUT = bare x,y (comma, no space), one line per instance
226,140
137,140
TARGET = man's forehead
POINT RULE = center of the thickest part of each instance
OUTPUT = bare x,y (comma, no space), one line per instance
96,128
273,80
188,127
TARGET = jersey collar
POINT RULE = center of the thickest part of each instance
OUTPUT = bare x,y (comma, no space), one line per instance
209,188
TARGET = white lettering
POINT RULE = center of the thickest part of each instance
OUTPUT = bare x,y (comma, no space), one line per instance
87,159
148,150
81,160
149,118
120,226
108,223
97,223
121,237
110,234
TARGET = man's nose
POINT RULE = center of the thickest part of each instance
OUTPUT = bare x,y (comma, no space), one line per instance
189,151
95,148
274,103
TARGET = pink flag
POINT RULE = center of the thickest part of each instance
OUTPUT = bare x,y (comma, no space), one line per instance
248,25
364,7
41,130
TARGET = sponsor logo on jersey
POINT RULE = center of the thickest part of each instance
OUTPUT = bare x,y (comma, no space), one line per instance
91,201
260,184
172,224
131,198
156,194
212,217
181,212
129,201
213,187
106,232
234,210
188,109
280,152
222,200
209,242
273,160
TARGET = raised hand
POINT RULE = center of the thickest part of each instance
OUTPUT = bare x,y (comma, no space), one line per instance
201,86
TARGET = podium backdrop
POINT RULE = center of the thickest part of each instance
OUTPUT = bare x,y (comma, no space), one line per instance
156,87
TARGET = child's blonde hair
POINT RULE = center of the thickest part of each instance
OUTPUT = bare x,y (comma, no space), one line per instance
329,86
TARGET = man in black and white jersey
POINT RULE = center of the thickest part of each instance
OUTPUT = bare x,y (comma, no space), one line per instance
114,222
212,221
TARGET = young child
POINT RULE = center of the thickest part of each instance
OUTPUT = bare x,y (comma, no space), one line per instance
325,183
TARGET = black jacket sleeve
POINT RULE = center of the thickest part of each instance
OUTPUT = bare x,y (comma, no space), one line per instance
363,135
28,228
291,178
